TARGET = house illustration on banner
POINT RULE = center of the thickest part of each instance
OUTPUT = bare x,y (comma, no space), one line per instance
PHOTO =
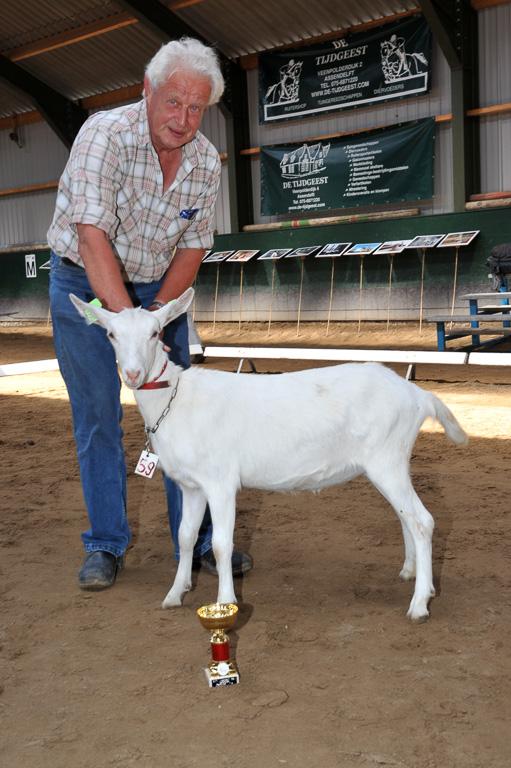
304,161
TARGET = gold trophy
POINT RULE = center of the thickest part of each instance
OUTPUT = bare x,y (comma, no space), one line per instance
219,618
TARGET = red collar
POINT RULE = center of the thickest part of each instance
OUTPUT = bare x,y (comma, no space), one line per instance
155,384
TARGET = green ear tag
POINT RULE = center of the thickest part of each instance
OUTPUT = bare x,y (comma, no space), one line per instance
90,316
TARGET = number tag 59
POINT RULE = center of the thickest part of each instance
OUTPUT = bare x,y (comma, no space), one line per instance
146,464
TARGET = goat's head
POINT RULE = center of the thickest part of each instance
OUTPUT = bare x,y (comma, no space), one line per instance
134,334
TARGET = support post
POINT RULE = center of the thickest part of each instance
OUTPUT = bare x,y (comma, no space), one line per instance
63,116
234,108
454,26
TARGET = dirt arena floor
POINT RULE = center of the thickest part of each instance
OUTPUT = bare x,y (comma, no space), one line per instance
332,674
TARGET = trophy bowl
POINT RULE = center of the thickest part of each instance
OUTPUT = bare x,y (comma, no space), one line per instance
219,616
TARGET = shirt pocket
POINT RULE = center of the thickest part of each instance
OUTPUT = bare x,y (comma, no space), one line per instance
130,212
169,228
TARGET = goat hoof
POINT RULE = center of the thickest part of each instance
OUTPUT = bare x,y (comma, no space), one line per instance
407,574
418,616
171,603
419,619
233,601
165,605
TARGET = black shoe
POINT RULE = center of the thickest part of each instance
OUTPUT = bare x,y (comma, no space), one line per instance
99,570
241,563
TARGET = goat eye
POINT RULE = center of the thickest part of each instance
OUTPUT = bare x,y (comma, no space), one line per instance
110,335
155,334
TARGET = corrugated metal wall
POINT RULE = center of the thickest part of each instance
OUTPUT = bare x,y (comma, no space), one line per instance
40,160
25,218
213,126
495,88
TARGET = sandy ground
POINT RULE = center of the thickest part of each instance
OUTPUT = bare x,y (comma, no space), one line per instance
332,673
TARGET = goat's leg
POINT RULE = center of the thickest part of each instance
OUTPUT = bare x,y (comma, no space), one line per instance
222,505
421,525
394,483
194,506
408,570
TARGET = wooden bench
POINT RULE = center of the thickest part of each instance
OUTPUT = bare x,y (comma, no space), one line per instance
475,330
475,298
488,295
475,308
478,313
492,308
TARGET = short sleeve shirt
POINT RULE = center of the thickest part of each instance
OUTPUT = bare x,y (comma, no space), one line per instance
114,181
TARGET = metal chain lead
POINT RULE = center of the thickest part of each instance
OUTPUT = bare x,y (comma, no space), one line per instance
151,430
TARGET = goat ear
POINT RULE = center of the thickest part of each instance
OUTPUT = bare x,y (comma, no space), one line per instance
175,308
90,312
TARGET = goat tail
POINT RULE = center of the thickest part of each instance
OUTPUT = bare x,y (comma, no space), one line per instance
448,421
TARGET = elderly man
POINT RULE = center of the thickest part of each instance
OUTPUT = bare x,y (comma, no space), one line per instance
133,218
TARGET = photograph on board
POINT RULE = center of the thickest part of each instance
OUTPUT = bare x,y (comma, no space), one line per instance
306,250
242,255
393,246
218,256
275,253
425,241
362,249
333,249
455,239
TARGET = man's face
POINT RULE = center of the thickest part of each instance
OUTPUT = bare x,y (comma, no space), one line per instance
176,108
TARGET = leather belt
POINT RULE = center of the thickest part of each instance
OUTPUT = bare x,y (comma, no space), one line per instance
70,263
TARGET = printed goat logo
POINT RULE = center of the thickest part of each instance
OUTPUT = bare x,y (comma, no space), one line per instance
286,90
304,161
397,64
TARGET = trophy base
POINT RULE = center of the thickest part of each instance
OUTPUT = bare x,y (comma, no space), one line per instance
214,679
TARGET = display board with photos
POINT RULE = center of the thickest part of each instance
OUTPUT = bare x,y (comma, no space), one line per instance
425,241
333,249
457,239
393,246
242,255
275,253
306,250
452,239
218,256
362,249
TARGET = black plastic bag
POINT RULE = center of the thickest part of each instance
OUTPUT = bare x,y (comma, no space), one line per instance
500,265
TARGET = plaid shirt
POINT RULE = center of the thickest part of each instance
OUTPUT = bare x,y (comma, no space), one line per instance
114,181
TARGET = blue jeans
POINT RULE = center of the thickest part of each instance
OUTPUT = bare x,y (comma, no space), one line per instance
88,366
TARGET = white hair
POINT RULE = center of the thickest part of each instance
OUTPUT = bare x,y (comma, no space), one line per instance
190,55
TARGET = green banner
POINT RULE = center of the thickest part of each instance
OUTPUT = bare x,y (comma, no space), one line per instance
390,62
387,165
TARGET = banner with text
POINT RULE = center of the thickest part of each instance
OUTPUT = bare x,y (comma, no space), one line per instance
389,63
387,165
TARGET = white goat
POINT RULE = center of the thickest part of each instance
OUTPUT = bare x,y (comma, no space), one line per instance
292,432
